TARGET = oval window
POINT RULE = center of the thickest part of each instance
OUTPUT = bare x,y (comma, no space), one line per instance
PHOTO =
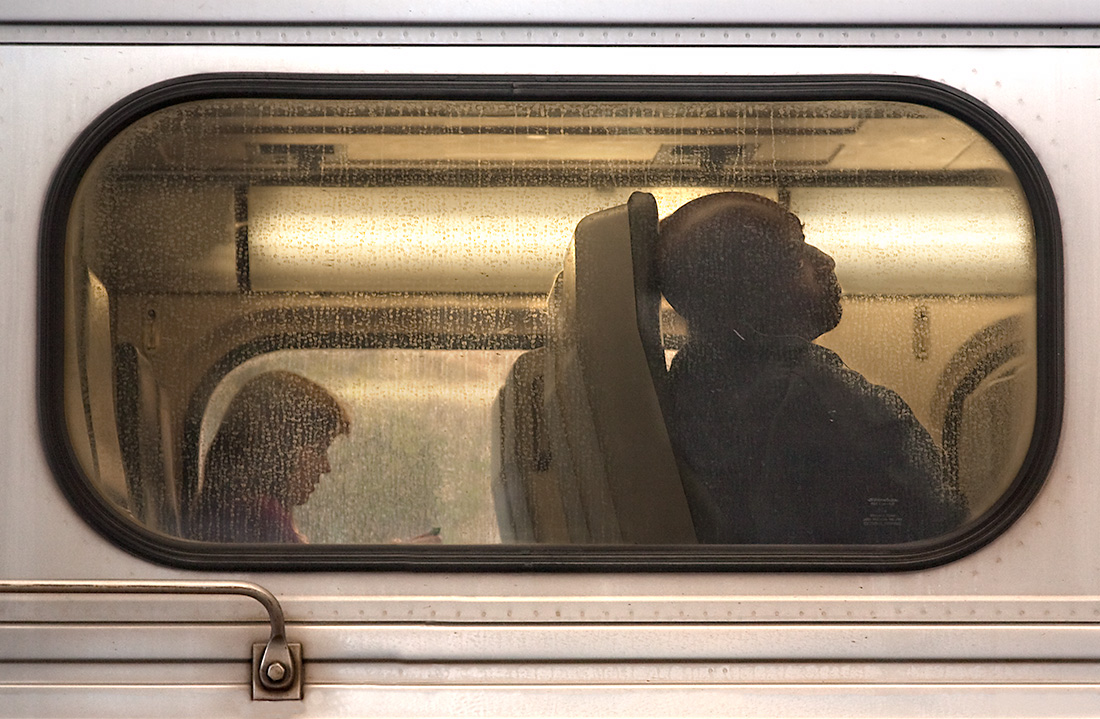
745,323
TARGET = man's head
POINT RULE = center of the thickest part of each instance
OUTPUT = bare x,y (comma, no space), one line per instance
737,261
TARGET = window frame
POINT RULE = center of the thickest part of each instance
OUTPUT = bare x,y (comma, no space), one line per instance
147,544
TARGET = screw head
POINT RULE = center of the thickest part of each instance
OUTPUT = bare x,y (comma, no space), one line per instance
276,671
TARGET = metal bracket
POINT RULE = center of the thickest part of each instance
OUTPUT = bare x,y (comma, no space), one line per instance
276,666
272,680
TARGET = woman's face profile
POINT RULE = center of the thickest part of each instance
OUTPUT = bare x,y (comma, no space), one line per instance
309,465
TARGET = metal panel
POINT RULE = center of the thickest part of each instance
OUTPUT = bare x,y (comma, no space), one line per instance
60,90
656,699
340,603
903,671
602,35
567,12
20,676
796,645
589,643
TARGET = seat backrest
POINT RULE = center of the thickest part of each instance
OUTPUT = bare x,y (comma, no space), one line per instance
584,456
984,404
642,216
527,491
642,211
602,376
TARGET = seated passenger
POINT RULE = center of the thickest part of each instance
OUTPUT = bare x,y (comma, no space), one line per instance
267,457
790,445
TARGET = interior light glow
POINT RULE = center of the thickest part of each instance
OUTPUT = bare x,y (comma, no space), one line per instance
414,239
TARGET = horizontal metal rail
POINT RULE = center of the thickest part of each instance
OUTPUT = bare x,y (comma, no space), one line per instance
276,670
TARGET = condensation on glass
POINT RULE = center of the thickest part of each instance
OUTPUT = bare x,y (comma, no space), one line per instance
428,322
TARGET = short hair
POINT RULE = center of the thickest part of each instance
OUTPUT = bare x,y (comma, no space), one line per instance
727,254
271,418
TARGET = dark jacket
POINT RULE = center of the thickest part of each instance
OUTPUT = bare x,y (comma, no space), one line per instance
791,446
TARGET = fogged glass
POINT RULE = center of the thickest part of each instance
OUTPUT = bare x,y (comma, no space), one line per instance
424,322
413,464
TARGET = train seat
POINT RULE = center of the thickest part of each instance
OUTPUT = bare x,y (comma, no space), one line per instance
589,459
988,385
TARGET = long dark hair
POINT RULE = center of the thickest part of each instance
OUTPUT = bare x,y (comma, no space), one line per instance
268,422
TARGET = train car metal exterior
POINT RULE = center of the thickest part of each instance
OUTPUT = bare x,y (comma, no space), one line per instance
102,621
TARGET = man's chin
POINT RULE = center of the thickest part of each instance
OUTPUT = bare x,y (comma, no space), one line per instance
837,308
830,320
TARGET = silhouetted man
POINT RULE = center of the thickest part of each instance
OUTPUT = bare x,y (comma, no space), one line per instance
785,442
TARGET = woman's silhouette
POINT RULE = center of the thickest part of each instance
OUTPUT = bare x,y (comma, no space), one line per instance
267,457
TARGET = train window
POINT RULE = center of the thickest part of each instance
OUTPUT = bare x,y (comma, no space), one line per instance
332,322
